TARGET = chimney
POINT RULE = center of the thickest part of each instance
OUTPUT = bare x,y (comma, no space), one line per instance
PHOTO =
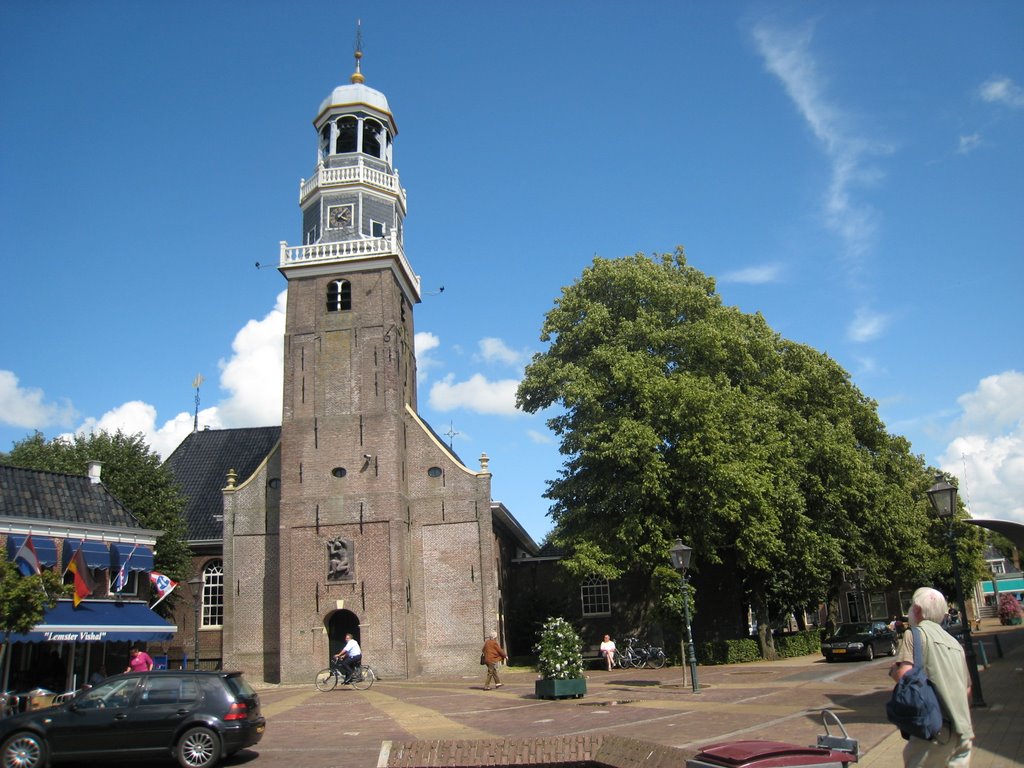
95,467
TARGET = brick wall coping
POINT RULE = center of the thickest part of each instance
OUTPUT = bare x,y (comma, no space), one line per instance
594,749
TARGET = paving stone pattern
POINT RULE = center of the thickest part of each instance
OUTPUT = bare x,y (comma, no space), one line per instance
653,716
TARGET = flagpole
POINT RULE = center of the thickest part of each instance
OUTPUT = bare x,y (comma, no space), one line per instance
124,565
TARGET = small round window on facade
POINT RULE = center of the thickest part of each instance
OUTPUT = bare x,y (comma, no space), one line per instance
339,472
434,472
274,482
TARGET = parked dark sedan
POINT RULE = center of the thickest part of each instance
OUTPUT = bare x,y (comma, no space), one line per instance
860,640
198,718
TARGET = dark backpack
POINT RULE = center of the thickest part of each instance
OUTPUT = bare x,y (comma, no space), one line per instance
914,707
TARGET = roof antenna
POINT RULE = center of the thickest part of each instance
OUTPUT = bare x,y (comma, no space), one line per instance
357,76
197,382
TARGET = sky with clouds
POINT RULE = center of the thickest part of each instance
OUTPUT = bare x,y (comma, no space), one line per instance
853,171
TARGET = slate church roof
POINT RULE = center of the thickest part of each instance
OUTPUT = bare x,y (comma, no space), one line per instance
201,463
52,497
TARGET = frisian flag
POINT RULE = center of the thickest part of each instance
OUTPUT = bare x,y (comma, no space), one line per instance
162,585
122,575
84,585
27,555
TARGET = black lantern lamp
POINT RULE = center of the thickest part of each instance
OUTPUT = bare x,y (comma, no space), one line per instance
942,495
680,554
195,586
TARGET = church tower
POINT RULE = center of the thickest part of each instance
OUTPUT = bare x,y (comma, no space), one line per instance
383,531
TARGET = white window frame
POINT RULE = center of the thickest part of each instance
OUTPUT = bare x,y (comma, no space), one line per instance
595,597
213,595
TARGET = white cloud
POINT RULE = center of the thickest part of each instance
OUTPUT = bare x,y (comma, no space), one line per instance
136,416
787,55
424,343
997,403
766,273
1002,90
26,407
254,375
988,453
969,143
868,366
476,394
866,325
541,438
494,350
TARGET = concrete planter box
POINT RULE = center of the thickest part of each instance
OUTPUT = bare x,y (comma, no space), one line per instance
561,689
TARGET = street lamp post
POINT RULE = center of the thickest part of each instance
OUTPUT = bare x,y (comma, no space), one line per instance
195,585
680,554
942,495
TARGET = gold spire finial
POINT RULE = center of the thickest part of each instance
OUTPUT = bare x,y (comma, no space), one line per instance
357,76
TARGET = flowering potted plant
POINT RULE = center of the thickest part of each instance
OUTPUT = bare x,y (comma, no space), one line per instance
559,662
1009,609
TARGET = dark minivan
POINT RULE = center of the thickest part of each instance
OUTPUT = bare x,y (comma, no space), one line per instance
199,718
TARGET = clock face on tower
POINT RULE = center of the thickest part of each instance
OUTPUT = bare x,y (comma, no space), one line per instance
339,216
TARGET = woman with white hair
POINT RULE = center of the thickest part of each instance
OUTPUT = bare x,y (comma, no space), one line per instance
946,666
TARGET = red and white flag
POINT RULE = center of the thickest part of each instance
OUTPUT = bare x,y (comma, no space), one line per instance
162,586
27,555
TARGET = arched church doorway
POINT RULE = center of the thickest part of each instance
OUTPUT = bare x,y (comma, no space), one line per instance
338,625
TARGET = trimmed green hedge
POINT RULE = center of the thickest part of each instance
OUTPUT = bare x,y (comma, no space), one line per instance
728,651
745,649
798,644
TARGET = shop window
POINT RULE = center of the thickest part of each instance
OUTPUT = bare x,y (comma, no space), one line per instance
595,597
213,594
131,584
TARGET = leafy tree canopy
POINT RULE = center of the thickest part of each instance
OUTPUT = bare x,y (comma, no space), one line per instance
679,416
25,599
131,472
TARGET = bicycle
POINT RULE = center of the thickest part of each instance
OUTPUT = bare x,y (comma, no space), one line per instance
330,678
637,655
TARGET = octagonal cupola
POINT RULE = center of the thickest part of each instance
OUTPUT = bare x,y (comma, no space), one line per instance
355,119
353,206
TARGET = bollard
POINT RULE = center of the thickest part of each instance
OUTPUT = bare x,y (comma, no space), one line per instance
999,647
981,653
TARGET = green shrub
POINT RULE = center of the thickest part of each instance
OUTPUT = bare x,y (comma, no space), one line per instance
558,652
728,651
746,649
798,644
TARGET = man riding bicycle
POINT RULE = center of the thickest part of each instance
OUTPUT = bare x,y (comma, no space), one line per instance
349,657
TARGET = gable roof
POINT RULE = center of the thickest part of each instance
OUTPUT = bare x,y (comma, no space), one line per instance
201,463
32,495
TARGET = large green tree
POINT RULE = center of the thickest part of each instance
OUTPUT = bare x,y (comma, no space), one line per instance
131,472
25,599
679,416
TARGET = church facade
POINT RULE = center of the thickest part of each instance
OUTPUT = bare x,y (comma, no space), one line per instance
358,519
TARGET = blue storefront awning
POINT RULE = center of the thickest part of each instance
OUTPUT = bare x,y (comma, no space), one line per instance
46,550
97,553
139,558
1005,585
98,621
